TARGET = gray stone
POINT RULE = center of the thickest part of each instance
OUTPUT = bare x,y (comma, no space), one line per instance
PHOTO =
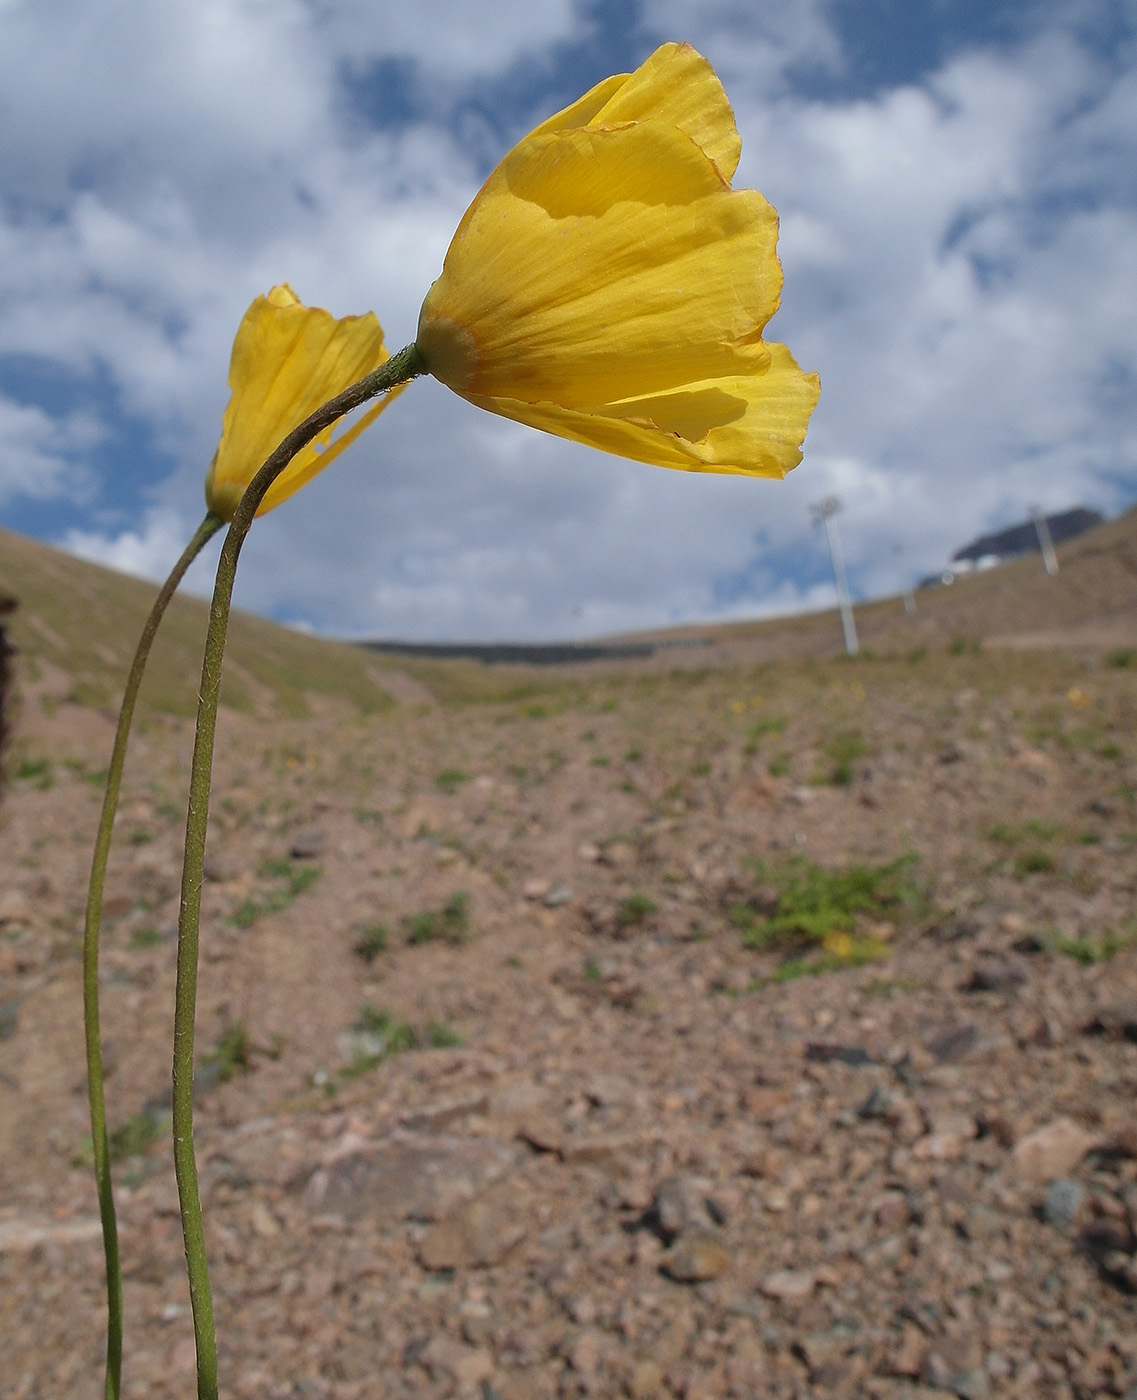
406,1176
1063,1201
307,844
680,1206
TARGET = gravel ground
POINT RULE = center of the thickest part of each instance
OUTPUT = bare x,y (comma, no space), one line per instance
518,1079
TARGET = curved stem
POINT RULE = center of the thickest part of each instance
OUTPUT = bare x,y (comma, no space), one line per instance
399,368
91,928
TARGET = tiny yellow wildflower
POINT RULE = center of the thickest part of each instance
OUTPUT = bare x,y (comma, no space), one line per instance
287,360
609,286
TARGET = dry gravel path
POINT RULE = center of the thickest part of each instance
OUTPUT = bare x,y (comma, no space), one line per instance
620,1157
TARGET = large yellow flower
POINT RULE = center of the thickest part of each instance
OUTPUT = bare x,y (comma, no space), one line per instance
607,284
287,360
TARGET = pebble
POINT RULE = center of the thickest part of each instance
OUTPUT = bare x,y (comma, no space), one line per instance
789,1285
696,1257
1051,1151
478,1234
446,1358
996,976
680,1206
1062,1202
307,844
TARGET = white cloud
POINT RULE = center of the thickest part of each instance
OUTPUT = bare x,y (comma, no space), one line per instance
40,455
960,256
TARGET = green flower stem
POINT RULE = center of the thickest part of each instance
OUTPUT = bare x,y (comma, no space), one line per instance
205,531
397,370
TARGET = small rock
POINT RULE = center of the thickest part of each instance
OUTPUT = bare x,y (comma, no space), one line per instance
680,1206
996,976
789,1285
891,1210
416,1175
9,1019
585,1352
307,844
908,1357
265,1224
558,895
1051,1151
445,1358
954,1042
819,1052
536,889
15,908
542,1133
645,1381
588,851
1062,1202
696,1257
1116,1022
618,854
478,1234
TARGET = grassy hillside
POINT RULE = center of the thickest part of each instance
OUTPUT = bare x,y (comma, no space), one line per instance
78,623
83,621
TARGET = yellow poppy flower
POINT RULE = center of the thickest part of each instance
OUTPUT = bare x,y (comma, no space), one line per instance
609,286
287,360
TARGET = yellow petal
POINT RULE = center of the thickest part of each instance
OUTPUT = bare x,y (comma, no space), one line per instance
599,264
287,360
750,425
675,85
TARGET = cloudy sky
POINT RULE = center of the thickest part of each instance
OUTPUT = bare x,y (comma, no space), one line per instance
957,182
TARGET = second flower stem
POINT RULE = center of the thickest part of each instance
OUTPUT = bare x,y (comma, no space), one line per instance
91,928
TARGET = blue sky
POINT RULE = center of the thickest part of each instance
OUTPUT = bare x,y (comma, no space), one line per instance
957,182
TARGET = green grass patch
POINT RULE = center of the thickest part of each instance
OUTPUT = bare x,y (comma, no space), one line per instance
289,880
1008,834
451,779
137,1135
1034,862
37,771
450,924
634,909
442,1037
232,1055
771,724
819,909
1090,949
842,750
371,942
149,936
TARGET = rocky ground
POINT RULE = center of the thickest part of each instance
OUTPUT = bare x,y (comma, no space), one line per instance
755,1031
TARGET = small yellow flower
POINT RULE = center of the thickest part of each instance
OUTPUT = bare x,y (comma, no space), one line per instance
607,285
287,360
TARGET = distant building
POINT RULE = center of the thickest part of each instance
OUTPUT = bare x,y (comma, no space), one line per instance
988,551
1023,539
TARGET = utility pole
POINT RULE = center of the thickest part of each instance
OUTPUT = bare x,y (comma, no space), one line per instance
905,587
824,511
1045,543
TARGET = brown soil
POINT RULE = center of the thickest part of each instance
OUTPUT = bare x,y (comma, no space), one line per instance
659,1163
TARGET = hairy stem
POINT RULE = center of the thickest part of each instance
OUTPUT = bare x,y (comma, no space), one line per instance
399,368
91,928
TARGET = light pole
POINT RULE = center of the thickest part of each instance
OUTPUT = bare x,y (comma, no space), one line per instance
824,511
1045,543
905,587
